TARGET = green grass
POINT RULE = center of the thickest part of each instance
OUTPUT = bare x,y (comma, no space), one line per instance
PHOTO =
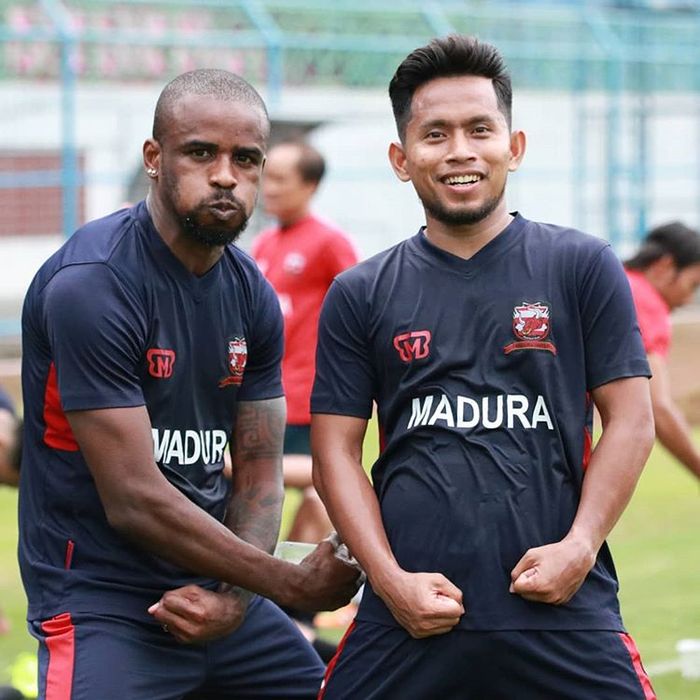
655,547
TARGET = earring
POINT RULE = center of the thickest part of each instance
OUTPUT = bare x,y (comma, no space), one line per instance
151,172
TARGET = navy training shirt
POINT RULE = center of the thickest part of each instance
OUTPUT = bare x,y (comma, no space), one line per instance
114,319
481,370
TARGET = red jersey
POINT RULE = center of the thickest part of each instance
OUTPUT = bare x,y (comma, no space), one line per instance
653,314
300,262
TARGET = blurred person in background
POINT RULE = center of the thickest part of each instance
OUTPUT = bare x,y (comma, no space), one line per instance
485,340
10,440
300,257
10,448
664,274
149,343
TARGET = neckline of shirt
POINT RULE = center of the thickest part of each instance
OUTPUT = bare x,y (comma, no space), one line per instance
495,247
198,286
299,223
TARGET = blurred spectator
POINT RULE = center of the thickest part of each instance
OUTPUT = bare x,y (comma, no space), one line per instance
664,275
300,257
10,441
10,427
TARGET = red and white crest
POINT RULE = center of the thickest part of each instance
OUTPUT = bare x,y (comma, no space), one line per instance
531,321
237,358
531,325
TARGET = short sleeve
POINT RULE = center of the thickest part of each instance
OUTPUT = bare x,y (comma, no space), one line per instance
655,327
612,339
345,380
263,373
97,335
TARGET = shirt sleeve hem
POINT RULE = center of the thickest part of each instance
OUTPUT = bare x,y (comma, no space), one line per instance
640,370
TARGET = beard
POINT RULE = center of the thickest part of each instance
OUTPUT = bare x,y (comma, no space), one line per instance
461,217
213,235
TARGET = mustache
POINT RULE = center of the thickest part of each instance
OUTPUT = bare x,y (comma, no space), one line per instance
223,196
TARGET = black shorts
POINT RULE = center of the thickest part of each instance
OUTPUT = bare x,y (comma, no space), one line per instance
297,440
377,662
105,657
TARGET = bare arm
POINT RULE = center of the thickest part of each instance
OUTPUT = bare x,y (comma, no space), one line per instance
257,493
554,572
423,603
672,430
192,614
142,505
9,473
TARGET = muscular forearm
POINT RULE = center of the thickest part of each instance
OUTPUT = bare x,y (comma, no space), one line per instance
145,507
257,488
674,434
255,514
168,524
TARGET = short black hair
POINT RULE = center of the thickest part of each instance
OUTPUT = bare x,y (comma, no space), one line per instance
205,81
676,239
311,164
452,55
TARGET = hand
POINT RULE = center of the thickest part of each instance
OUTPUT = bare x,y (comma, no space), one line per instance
326,582
424,604
193,614
552,573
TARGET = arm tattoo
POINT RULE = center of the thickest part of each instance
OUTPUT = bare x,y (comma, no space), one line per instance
259,430
255,509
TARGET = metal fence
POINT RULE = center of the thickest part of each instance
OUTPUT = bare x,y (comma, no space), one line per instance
612,60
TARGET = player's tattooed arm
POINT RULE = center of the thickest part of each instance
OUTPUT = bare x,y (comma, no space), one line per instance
257,490
255,509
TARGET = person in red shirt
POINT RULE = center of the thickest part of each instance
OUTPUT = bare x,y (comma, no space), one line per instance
300,257
664,275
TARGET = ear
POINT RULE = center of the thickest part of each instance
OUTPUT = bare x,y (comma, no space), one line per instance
397,158
517,150
151,155
666,264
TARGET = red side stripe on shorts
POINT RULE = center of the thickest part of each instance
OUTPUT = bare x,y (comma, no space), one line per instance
644,681
334,661
58,433
60,642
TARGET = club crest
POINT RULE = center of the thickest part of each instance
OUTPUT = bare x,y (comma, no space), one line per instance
531,326
237,358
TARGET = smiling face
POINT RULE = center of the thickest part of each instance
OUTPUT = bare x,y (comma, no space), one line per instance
209,165
457,151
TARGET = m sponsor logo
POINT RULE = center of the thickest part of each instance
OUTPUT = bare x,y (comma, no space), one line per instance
187,447
500,411
160,362
414,345
531,326
237,358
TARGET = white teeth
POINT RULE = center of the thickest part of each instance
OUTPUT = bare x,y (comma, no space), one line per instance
462,179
